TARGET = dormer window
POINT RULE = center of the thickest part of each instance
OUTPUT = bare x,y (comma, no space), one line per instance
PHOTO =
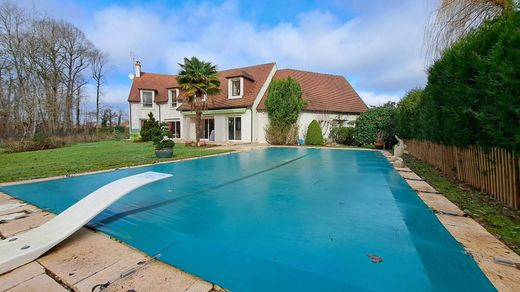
147,97
236,87
173,96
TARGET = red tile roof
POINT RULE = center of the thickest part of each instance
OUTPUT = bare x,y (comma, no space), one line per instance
257,76
158,82
324,92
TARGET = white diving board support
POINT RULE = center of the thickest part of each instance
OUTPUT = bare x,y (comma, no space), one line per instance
28,246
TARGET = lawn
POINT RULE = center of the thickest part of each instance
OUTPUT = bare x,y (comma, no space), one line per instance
499,220
86,157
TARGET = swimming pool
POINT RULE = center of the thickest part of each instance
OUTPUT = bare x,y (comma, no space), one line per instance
280,219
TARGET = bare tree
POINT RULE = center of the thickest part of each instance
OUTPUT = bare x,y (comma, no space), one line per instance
75,54
455,18
99,63
44,66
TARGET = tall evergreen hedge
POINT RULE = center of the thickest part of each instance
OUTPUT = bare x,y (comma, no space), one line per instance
473,92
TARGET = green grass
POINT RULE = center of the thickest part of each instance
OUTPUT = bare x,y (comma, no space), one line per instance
86,157
499,220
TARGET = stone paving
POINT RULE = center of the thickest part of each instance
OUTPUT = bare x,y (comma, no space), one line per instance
88,258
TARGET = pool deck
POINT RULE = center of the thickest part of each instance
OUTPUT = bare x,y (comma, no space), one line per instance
88,258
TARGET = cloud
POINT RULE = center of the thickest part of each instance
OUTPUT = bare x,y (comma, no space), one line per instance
379,47
112,95
375,99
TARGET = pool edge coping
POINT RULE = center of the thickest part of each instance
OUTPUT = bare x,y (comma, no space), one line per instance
473,237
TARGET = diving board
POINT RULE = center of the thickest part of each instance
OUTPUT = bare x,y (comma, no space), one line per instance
28,246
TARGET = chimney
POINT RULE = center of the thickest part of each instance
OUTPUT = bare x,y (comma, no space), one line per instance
137,69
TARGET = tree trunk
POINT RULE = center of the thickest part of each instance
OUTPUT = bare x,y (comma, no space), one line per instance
199,126
78,111
97,106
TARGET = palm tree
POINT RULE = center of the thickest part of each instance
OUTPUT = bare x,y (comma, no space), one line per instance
455,18
199,80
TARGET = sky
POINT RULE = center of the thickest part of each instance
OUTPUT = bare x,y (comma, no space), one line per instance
377,45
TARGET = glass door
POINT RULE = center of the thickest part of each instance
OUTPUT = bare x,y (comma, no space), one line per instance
209,126
235,128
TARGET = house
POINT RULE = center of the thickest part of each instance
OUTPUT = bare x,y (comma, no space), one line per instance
238,113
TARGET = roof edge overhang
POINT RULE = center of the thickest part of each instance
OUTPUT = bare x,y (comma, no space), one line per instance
212,112
322,112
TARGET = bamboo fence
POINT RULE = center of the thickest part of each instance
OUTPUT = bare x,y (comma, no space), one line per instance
493,171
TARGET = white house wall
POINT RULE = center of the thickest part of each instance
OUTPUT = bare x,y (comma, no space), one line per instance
162,112
261,124
303,123
221,127
165,113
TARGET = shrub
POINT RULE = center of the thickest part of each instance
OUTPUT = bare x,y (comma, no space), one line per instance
158,134
314,135
376,121
342,135
283,105
40,141
281,135
284,101
151,128
120,129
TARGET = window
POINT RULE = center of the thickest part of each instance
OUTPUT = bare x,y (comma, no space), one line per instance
234,128
209,125
147,98
174,98
175,128
235,87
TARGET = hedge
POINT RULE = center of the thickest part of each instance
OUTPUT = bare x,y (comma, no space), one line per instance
473,92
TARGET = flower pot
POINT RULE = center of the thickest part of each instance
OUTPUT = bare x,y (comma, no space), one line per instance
164,153
379,145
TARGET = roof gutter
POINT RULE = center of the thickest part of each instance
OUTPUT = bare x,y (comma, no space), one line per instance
216,112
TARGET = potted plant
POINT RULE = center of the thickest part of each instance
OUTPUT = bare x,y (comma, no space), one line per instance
379,143
163,142
164,147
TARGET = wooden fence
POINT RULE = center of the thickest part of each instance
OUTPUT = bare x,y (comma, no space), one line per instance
494,171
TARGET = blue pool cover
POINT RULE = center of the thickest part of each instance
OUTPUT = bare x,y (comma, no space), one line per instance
280,219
